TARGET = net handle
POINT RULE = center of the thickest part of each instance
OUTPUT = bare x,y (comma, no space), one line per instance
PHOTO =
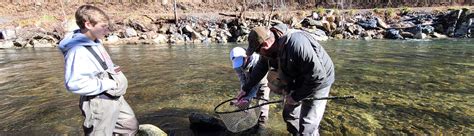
272,102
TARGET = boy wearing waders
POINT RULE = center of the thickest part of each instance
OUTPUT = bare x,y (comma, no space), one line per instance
90,72
243,66
305,71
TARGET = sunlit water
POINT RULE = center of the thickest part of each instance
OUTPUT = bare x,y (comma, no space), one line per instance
402,87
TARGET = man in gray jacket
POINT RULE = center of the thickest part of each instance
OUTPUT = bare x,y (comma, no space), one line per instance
304,68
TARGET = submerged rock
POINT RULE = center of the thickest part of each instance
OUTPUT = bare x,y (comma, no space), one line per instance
150,130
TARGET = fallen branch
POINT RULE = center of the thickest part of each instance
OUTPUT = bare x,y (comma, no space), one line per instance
246,18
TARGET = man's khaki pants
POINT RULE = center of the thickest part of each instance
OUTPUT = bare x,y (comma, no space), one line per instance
107,117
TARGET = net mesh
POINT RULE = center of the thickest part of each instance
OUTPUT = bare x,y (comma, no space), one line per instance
241,120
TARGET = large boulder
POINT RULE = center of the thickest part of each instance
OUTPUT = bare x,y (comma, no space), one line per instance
20,42
164,29
420,36
205,33
37,40
354,29
327,26
196,36
464,28
331,18
449,21
112,39
6,44
339,36
318,34
164,2
130,32
311,22
212,33
347,35
393,34
176,38
368,24
160,39
428,29
187,29
138,26
407,34
381,23
8,34
438,35
41,43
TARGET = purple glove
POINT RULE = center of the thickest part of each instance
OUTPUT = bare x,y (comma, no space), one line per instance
242,103
241,94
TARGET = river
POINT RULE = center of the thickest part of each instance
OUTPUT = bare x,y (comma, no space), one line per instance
401,87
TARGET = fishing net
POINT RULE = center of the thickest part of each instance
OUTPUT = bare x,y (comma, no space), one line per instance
238,119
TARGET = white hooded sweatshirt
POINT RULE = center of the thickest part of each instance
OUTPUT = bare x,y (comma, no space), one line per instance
81,68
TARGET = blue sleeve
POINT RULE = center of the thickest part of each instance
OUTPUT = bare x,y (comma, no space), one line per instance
256,75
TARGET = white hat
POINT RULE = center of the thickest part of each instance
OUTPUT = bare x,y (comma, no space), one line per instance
237,56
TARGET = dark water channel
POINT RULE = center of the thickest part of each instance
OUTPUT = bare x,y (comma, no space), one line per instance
402,87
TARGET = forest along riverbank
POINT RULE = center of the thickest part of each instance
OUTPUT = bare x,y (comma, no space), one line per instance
234,26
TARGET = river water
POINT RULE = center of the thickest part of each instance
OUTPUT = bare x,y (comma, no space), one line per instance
402,87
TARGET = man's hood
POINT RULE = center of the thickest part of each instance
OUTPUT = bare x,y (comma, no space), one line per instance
75,38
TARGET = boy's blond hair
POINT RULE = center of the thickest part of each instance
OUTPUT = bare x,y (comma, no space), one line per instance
90,13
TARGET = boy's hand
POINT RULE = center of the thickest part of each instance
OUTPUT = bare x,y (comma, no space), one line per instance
241,94
243,103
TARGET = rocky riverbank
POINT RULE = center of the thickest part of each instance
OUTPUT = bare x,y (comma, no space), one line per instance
220,27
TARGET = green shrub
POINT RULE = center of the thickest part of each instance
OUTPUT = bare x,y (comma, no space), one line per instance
377,10
352,12
406,10
320,10
390,12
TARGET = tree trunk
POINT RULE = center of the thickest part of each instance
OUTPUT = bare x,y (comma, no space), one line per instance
175,14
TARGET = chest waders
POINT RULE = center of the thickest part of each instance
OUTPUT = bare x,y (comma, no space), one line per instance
114,74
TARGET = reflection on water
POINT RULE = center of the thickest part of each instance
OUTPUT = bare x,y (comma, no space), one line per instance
402,87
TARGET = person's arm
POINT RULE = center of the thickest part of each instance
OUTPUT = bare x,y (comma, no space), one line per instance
258,72
241,75
307,67
80,78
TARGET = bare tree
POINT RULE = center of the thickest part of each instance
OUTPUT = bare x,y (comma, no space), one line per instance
175,14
